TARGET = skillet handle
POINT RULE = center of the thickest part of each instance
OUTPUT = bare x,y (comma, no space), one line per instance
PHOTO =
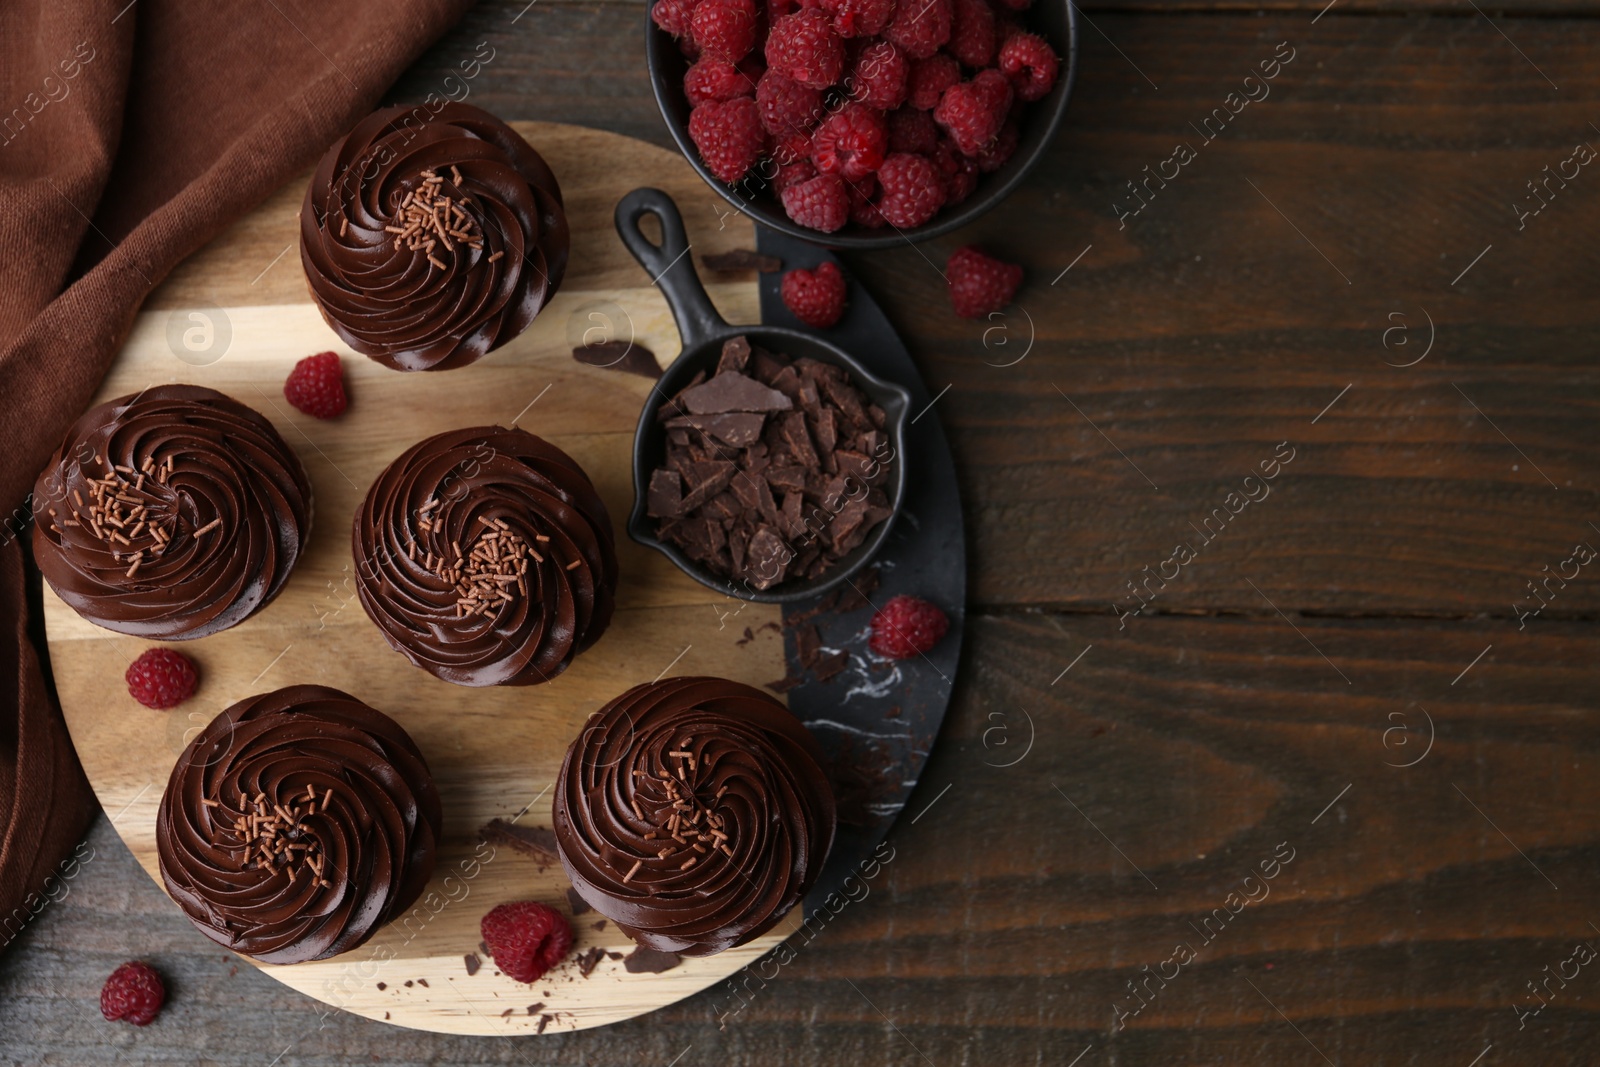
669,264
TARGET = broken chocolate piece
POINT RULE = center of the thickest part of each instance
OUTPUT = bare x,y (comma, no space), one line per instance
665,499
735,354
733,392
736,429
648,961
629,356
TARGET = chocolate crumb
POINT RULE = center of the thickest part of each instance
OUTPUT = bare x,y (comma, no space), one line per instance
506,1014
423,982
742,259
533,1009
588,960
473,963
544,1021
648,961
613,955
601,925
382,986
409,983
892,713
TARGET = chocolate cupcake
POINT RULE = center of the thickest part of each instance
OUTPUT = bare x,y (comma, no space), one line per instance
486,557
170,514
693,813
296,824
430,239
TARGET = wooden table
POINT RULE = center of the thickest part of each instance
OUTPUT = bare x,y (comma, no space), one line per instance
1342,684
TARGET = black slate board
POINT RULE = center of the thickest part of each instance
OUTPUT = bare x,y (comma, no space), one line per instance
875,758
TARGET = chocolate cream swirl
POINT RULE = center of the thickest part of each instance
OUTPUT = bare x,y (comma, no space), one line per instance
742,778
296,824
430,240
486,557
170,514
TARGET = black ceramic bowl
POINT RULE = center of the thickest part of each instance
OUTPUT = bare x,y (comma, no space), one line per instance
703,331
1054,20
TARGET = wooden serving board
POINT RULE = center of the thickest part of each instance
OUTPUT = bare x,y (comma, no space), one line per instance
235,317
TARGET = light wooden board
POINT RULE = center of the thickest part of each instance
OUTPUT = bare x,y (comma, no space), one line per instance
493,752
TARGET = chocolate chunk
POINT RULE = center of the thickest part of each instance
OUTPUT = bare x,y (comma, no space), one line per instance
601,925
736,429
544,1021
847,398
829,664
648,961
533,841
847,522
589,960
825,428
790,478
784,684
798,438
577,903
473,963
705,481
613,955
764,366
675,407
665,499
807,645
629,356
788,383
735,354
853,596
767,558
533,1009
791,522
860,465
742,259
733,392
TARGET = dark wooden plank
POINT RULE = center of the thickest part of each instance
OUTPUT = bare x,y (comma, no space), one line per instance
1208,329
1011,916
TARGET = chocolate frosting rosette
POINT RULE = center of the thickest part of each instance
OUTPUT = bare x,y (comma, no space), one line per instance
428,241
486,557
693,813
170,514
296,824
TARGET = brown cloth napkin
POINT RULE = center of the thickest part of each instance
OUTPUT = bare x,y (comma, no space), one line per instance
131,133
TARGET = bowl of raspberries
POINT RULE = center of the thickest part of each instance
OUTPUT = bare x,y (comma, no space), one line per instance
862,123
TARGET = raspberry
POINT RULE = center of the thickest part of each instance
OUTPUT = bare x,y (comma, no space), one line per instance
526,938
161,678
906,626
866,214
821,203
728,135
789,150
851,143
316,386
980,284
673,16
858,18
134,993
911,130
805,47
1002,148
973,112
815,296
800,170
912,190
713,80
928,80
919,27
960,173
785,105
1030,64
724,29
878,78
972,35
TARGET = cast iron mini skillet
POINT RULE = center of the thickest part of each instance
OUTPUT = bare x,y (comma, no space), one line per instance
703,331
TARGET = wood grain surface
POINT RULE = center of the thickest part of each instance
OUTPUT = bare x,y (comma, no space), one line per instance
1193,742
